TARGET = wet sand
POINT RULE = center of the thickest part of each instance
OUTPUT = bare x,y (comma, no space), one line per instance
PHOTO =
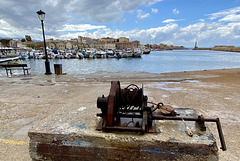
27,100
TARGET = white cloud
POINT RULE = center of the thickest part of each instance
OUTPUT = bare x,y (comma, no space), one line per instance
171,20
231,18
106,10
175,11
201,20
207,34
154,10
52,2
81,27
168,21
224,13
8,30
22,14
63,19
151,2
141,14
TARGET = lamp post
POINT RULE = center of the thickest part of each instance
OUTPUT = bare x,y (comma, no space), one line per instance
41,16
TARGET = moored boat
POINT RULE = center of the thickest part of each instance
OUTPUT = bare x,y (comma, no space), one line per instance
137,52
9,60
89,53
127,53
146,51
100,54
79,55
118,53
110,53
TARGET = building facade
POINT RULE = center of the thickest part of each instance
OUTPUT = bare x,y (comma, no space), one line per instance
51,45
76,44
123,39
108,40
125,45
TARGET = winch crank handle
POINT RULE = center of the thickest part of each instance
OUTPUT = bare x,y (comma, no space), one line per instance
189,132
221,135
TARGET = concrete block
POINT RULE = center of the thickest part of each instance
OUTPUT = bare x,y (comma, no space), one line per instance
70,134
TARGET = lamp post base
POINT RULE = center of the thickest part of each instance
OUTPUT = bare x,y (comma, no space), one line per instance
47,66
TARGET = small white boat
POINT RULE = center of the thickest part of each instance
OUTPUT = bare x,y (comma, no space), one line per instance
7,60
118,53
127,53
79,55
137,52
39,55
100,54
146,51
89,53
110,53
68,55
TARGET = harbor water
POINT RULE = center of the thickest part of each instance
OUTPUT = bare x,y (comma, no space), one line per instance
155,62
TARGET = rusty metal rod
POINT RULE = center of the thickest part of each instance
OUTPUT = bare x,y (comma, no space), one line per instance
220,133
158,117
119,128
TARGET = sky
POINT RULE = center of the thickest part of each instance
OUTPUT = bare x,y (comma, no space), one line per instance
172,22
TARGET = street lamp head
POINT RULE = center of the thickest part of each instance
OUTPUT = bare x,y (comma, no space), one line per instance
41,15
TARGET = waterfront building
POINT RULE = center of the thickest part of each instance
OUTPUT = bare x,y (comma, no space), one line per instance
75,45
5,42
49,40
125,45
69,45
110,46
52,45
123,39
91,44
79,43
28,44
15,43
100,45
108,40
61,45
84,40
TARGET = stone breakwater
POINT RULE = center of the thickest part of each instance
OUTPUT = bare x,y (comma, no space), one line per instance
221,48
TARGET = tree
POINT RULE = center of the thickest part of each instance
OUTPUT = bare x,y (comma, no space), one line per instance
5,42
28,38
31,46
23,40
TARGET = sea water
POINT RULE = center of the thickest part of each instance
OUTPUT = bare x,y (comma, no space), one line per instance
155,62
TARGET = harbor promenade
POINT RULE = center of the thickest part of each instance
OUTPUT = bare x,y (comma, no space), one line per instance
27,100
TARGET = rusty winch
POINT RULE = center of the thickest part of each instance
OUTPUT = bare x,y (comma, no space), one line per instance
127,110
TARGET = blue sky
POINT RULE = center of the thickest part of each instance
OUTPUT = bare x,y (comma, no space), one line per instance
176,22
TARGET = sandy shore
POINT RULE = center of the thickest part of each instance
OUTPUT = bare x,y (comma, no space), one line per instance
26,100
